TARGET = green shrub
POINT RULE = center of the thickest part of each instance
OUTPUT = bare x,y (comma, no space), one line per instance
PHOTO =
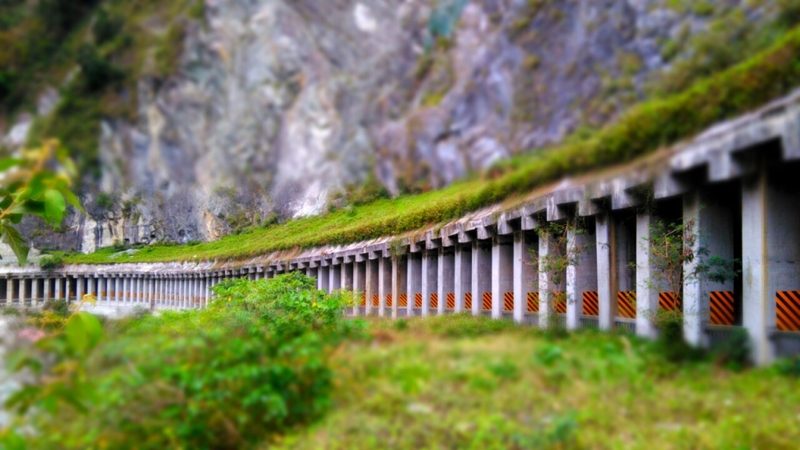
251,366
735,352
97,71
106,26
58,307
8,83
673,347
789,366
51,262
105,201
10,312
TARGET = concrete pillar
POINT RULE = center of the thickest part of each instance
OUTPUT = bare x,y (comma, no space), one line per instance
46,294
359,284
79,288
399,285
502,273
322,278
413,280
57,286
371,287
462,273
481,274
346,276
429,279
707,216
445,277
91,280
384,283
23,294
335,274
184,291
207,290
755,264
647,288
581,272
524,279
607,287
117,289
101,288
9,291
770,251
35,292
546,283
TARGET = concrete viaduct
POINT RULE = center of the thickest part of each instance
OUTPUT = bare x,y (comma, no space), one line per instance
739,182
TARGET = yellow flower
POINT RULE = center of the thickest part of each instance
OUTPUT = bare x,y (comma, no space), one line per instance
314,305
229,299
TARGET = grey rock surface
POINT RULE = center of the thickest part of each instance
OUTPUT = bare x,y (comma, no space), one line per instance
279,104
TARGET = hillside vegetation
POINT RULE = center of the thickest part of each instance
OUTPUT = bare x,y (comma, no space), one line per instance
275,364
659,122
464,382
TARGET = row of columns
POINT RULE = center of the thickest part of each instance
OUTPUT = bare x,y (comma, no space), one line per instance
754,221
490,270
173,291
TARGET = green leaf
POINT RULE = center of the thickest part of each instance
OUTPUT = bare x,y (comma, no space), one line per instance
72,199
29,207
34,190
83,332
11,440
7,163
14,240
54,206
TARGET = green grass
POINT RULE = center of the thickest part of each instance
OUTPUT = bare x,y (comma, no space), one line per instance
459,382
639,132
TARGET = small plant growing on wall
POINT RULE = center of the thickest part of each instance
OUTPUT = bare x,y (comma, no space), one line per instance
673,247
554,264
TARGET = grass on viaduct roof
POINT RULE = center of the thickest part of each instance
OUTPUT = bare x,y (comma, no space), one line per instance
640,131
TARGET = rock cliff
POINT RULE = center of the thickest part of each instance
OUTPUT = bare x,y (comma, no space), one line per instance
279,107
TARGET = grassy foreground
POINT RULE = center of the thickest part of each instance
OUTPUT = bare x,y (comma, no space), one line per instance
641,131
459,382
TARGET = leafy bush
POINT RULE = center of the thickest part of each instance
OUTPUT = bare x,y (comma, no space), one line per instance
59,307
97,71
51,263
105,201
789,366
251,366
672,346
14,312
735,352
8,82
106,26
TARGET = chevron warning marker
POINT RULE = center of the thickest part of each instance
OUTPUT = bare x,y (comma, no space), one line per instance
451,301
403,301
591,304
376,299
487,301
626,304
721,308
389,301
508,301
363,300
533,302
434,301
418,301
787,310
668,301
468,301
560,302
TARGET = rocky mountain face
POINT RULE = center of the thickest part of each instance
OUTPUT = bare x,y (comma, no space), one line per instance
277,106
